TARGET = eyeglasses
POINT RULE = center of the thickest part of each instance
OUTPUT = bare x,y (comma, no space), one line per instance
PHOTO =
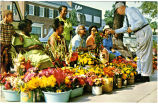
83,29
94,30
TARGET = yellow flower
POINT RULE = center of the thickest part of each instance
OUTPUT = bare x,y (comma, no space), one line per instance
124,76
67,80
51,81
127,71
131,74
58,91
90,62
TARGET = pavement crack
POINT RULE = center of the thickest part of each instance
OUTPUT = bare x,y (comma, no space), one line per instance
146,95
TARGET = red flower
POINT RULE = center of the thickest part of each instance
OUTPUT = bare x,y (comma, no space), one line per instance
7,85
74,57
28,64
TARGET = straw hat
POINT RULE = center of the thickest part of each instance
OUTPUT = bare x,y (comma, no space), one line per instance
106,27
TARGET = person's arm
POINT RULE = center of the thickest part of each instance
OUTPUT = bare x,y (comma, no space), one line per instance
123,29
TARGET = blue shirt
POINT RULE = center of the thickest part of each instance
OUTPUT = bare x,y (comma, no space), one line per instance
76,42
135,18
107,43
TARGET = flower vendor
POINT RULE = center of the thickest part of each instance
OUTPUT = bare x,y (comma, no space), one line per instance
30,46
67,33
90,42
56,41
78,41
107,42
6,33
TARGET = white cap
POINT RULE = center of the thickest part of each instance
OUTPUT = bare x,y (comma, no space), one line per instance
119,4
106,27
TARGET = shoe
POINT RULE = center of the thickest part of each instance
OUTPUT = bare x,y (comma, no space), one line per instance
138,78
145,79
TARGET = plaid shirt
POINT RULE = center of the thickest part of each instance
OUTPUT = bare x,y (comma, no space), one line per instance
6,33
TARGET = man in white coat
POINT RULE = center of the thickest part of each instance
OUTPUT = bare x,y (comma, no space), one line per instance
135,22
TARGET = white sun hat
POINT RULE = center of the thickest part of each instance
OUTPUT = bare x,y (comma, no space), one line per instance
119,4
106,27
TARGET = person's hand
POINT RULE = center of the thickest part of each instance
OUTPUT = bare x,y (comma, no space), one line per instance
129,30
112,50
112,31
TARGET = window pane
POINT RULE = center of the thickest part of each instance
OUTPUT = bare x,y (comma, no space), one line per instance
30,9
50,13
36,31
41,12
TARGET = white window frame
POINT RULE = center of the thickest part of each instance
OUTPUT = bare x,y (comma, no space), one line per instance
88,17
39,25
96,19
52,13
32,10
40,11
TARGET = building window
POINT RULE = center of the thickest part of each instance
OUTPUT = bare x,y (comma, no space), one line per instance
96,19
50,13
9,7
41,12
31,9
37,29
68,14
88,18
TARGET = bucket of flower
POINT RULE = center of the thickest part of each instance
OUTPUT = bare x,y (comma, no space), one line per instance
11,89
52,83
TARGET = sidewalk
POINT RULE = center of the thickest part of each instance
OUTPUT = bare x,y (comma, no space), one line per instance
137,93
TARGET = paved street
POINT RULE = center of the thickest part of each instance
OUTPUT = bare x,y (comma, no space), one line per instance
137,93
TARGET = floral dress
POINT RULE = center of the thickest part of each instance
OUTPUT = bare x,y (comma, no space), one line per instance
37,57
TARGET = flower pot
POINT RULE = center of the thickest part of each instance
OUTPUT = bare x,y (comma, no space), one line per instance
27,96
76,92
57,97
88,88
96,90
125,82
108,86
12,96
131,80
119,82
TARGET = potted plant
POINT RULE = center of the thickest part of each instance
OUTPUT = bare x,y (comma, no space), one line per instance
11,88
97,86
55,90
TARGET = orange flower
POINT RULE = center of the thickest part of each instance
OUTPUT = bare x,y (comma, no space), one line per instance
124,76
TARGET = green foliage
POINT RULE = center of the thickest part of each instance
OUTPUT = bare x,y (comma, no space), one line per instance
109,15
73,17
154,44
149,8
153,26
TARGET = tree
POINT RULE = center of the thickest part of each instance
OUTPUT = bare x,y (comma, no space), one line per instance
109,15
73,17
118,21
149,8
153,26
